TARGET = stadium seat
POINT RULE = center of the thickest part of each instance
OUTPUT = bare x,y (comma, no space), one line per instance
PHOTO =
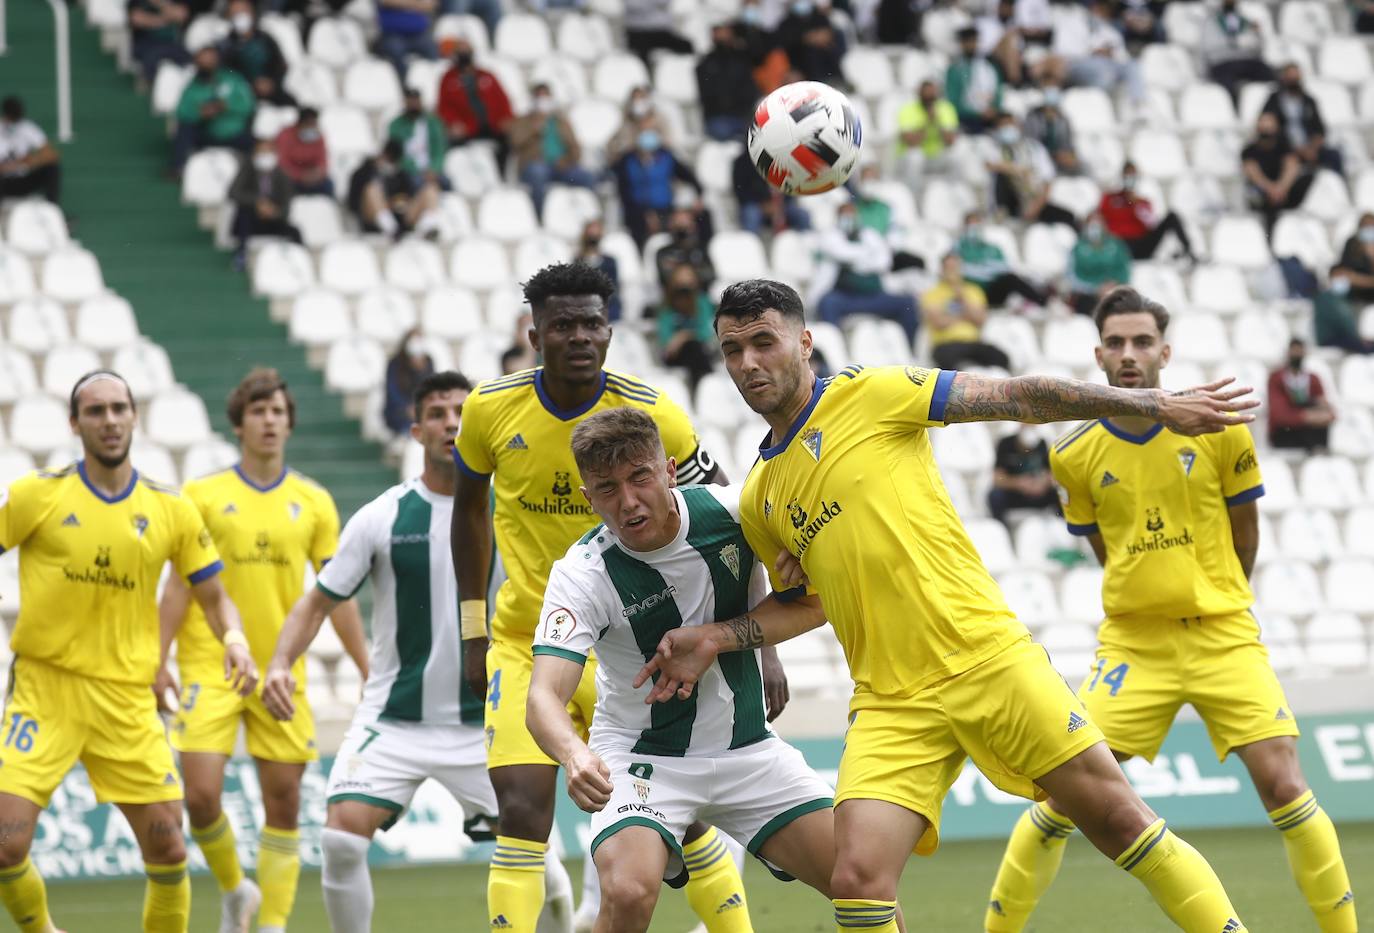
1206,106
317,217
208,456
38,424
1310,535
1328,200
64,365
792,258
1158,154
177,419
1219,287
71,275
480,264
945,203
874,342
319,317
450,313
145,366
990,537
538,250
1352,435
472,170
939,26
917,65
1078,193
16,276
207,177
1089,110
36,228
1289,587
507,214
586,38
1280,635
38,324
1080,595
286,33
1182,374
349,267
354,365
616,74
106,15
414,265
385,314
312,83
206,29
17,375
512,78
14,463
371,83
1357,380
1160,281
719,403
715,164
1345,59
1359,532
504,308
1347,584
597,121
347,130
1199,338
1168,67
1030,595
1070,341
1337,640
966,448
568,209
830,341
1239,240
868,71
480,356
1280,489
1015,336
737,255
675,78
1102,154
154,461
454,25
1046,249
630,353
269,121
1328,482
281,269
106,322
523,37
566,78
1183,23
337,41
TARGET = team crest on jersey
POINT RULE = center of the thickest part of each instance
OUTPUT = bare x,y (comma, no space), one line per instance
1187,456
729,556
140,524
811,440
204,537
295,509
1153,521
641,772
558,623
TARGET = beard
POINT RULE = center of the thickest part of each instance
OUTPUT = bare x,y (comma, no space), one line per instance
110,461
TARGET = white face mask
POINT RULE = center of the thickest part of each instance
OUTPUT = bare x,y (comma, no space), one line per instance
264,161
1008,135
242,22
640,107
1340,286
415,347
545,104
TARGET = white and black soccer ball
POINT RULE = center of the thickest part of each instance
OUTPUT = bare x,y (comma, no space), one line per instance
805,138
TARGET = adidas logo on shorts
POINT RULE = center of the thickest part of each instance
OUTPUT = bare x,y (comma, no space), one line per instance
1076,722
733,901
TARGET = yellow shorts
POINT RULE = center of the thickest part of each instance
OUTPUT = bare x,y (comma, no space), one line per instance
1012,714
509,667
208,721
53,718
1147,668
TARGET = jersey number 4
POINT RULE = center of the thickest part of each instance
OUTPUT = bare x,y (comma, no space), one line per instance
21,733
1111,678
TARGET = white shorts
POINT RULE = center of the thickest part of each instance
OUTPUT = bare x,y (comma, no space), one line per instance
749,793
384,762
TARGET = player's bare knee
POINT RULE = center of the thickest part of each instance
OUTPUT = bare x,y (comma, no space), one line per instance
525,815
162,842
16,837
202,805
1282,787
282,809
857,877
1123,820
629,897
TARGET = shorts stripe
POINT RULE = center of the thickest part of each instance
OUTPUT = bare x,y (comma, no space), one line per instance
782,819
1130,859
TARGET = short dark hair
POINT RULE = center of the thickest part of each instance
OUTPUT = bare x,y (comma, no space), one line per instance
393,150
752,297
93,376
444,381
567,279
13,108
1126,300
260,383
307,113
613,437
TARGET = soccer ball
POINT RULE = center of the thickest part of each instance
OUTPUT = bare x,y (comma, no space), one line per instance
805,138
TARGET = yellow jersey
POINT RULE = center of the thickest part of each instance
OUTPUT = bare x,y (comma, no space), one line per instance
89,566
853,492
512,429
265,534
1160,502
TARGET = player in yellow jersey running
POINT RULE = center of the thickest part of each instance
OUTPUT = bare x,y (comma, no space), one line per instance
943,671
268,522
515,439
93,538
1175,522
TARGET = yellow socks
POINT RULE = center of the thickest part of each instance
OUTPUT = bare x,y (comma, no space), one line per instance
1034,853
714,888
166,899
1180,881
217,842
515,884
1314,854
25,897
869,916
279,868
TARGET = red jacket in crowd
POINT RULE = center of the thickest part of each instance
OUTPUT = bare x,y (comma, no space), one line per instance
1126,215
1290,394
455,104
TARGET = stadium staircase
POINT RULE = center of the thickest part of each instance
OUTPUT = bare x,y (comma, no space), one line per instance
187,297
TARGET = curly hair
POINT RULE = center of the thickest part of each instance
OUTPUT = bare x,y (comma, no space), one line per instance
567,279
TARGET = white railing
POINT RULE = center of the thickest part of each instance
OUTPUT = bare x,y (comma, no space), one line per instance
62,40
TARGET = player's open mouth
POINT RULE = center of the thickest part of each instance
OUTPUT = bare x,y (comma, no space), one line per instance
635,522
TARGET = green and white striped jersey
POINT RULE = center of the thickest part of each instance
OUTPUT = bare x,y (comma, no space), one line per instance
602,595
401,540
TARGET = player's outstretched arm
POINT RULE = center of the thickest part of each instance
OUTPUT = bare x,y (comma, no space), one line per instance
299,629
470,545
347,620
684,654
223,617
1204,409
552,686
171,612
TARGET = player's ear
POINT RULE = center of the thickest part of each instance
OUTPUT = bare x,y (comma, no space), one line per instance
672,472
1165,355
806,343
415,431
1097,354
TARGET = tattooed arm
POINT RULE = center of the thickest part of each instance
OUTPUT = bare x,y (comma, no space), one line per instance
684,654
1204,409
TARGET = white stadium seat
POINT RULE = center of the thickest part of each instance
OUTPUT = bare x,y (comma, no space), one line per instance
1030,595
349,267
207,177
269,121
72,275
1219,287
371,83
285,33
523,37
1158,154
1309,534
64,365
1337,640
177,419
715,164
1080,595
347,130
1261,335
507,214
313,83
738,255
538,250
208,456
675,78
17,375
468,27
1089,110
206,29
480,264
1166,66
319,317
1239,240
868,71
567,210
414,265
154,461
354,365
37,324
450,313
1280,489
1289,587
990,537
1359,532
106,322
14,463
875,342
618,73
318,219
1329,482
1013,335
337,41
385,314
1046,249
36,228
38,424
1347,585
1206,107
1327,200
1345,59
472,170
16,276
1070,341
282,269
145,366
584,37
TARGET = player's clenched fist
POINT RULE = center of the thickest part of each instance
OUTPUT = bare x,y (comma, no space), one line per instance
277,689
589,780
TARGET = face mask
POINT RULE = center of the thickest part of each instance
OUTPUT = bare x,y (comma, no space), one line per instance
750,15
386,169
1128,182
309,136
1340,286
264,161
973,231
640,107
681,234
544,104
1366,234
1008,134
802,7
415,347
463,59
1268,136
684,291
1053,96
848,223
242,22
1027,437
591,242
929,102
204,74
1295,363
1094,231
649,141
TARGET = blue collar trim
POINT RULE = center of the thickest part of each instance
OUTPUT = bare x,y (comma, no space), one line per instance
238,468
119,497
569,414
1128,436
768,453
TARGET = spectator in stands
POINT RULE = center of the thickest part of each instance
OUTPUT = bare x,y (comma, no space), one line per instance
309,12
1362,14
645,177
388,200
638,115
488,11
813,44
255,55
1099,262
725,84
1333,316
954,311
512,361
405,29
302,154
898,22
1097,57
687,247
1301,119
589,251
520,354
404,370
1021,477
1021,173
1232,49
546,148
685,326
875,213
1141,23
261,194
758,30
29,164
1274,178
1047,125
973,84
849,277
763,208
649,26
1132,219
473,104
1003,37
1357,260
216,109
422,139
985,265
155,28
927,128
1300,416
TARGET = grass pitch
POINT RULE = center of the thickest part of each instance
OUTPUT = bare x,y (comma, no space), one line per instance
943,894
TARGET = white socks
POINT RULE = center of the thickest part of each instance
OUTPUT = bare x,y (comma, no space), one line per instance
346,882
735,849
557,915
